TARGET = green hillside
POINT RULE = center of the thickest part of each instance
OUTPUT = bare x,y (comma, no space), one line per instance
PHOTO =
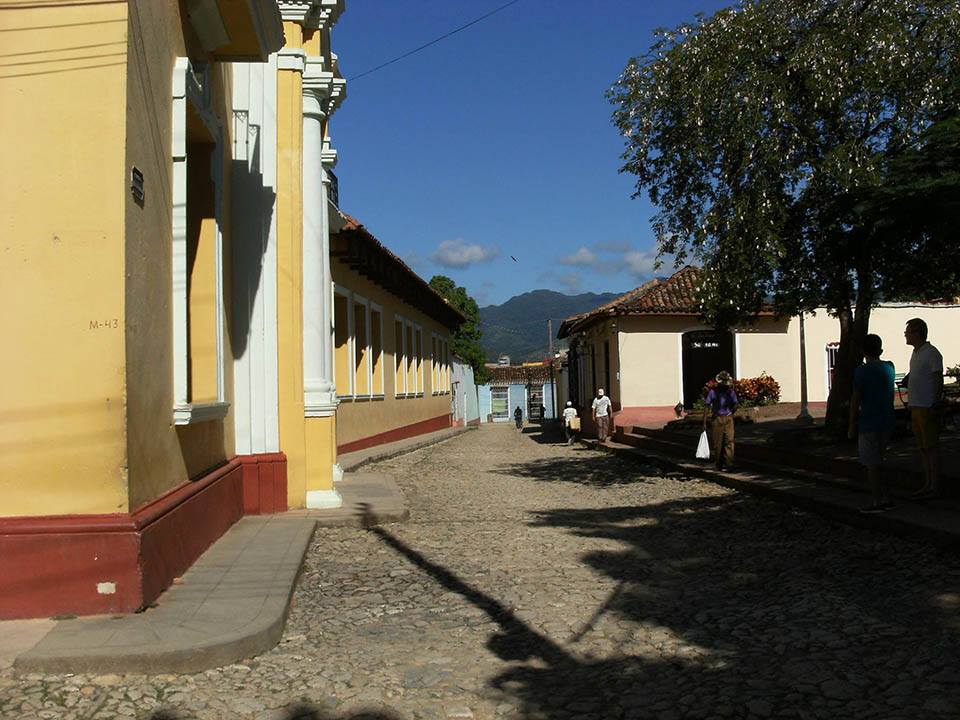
518,327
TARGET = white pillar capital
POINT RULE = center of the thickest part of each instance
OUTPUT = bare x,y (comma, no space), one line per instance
317,86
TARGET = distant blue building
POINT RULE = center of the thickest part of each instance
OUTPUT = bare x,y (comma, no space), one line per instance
531,387
464,401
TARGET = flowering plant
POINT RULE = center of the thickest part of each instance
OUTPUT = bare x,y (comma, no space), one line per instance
751,392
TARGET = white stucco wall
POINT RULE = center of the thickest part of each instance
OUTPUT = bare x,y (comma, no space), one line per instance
650,352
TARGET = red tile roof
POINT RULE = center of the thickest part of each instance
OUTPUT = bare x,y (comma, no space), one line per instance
677,295
354,245
517,375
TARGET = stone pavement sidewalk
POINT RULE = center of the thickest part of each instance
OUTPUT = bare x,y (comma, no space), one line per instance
230,605
832,495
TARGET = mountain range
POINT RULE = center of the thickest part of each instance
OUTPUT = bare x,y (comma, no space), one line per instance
518,327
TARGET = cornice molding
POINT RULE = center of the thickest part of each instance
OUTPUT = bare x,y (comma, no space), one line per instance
292,59
328,156
338,93
312,14
316,80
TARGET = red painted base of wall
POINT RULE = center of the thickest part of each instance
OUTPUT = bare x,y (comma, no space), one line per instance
401,433
264,483
96,564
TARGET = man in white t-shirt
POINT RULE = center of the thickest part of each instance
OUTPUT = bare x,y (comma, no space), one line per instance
925,392
569,413
601,415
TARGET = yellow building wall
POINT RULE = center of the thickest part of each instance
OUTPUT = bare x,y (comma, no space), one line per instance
363,417
293,426
62,189
161,455
771,346
650,372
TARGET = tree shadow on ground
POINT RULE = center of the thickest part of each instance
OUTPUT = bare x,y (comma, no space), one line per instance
587,467
730,606
546,433
301,711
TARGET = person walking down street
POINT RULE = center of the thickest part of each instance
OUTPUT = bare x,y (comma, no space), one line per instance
601,416
569,413
871,417
518,418
925,395
722,403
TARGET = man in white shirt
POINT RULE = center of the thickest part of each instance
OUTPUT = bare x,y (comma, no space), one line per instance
601,415
569,413
925,392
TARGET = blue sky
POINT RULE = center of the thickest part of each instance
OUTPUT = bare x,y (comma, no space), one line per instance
498,140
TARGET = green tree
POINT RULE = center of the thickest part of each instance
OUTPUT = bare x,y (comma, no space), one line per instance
764,135
466,340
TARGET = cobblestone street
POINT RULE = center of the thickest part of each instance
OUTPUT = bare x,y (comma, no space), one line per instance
535,580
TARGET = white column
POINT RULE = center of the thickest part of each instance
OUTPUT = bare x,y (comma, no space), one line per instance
320,398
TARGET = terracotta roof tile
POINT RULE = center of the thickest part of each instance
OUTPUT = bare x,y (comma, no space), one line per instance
427,299
517,375
676,295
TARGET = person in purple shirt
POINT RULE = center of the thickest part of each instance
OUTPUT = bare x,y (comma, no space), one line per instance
722,403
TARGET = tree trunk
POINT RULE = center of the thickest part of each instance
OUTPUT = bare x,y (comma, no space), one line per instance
854,325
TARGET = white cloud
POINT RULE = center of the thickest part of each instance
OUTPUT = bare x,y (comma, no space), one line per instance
458,253
583,256
640,262
571,282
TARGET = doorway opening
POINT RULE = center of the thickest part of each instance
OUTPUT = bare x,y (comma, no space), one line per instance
705,353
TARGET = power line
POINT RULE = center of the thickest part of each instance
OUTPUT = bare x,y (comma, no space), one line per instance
433,42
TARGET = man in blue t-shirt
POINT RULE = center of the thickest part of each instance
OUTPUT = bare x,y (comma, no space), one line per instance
871,416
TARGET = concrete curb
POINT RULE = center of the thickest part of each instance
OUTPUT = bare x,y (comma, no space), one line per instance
398,451
171,640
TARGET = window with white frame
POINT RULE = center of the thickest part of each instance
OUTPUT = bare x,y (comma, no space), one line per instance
399,374
418,355
434,363
376,350
342,361
199,315
358,345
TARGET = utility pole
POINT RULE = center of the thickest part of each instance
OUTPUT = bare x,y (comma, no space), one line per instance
804,416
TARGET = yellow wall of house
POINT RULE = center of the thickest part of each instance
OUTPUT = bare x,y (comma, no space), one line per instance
771,346
650,360
62,446
363,417
161,455
293,440
307,442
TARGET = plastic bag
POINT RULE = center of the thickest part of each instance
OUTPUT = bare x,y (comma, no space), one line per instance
703,448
